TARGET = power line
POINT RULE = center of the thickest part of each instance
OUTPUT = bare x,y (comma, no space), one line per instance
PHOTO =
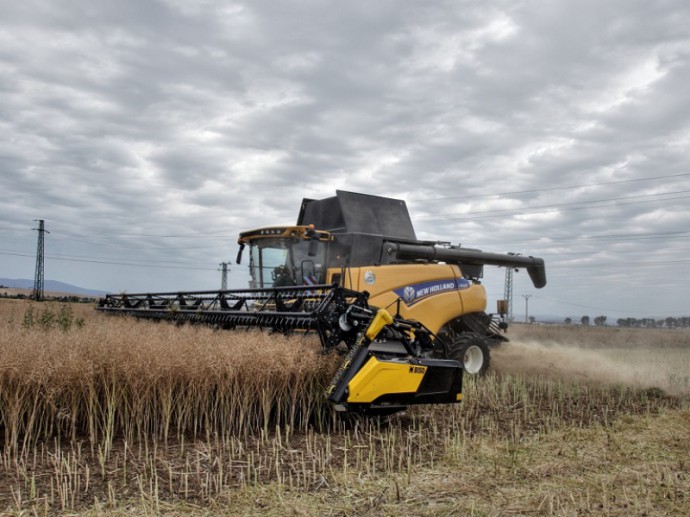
157,235
157,265
551,189
219,233
105,260
99,239
222,233
563,207
617,265
684,233
618,237
552,255
605,309
466,216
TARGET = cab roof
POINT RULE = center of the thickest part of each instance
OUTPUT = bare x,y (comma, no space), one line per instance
354,213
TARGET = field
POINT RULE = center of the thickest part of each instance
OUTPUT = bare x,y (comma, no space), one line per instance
102,415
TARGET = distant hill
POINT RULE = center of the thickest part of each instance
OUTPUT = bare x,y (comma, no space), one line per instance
49,286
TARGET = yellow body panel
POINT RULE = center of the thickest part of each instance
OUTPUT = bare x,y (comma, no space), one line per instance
474,299
377,378
434,309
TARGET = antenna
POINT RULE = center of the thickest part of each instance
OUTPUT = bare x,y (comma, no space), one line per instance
37,293
224,280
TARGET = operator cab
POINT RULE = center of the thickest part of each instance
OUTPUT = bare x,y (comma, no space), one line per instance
283,257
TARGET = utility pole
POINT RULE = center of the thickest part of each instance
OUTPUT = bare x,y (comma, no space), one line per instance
224,280
508,293
526,297
37,293
508,289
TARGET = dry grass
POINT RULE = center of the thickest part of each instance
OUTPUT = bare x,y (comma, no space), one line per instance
137,380
130,417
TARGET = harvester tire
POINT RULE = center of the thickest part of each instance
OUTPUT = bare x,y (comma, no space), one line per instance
472,351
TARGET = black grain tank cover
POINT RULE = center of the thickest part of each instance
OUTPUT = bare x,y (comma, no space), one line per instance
350,212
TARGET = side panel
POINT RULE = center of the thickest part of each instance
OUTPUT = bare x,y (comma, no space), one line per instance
474,299
431,293
380,378
400,381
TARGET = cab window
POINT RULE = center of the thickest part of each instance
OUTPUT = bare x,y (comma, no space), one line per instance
286,262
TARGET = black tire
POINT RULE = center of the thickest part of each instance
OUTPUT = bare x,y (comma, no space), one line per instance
472,351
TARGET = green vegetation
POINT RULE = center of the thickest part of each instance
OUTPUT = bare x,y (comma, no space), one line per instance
62,318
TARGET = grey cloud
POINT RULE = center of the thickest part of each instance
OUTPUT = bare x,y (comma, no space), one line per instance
172,118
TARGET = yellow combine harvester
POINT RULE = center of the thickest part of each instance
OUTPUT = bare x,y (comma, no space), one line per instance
408,315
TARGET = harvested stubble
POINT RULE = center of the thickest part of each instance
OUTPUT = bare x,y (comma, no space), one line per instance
130,379
121,412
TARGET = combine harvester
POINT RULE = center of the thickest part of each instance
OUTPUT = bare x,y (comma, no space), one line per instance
408,315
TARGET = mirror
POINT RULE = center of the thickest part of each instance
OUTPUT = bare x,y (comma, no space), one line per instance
239,254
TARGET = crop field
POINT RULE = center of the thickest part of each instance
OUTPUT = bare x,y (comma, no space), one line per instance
103,415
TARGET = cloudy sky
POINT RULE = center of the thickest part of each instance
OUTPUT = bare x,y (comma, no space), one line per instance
147,134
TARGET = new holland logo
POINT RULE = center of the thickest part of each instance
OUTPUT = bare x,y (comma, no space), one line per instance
415,293
409,294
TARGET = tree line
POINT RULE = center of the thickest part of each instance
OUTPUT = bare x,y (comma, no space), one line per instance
669,323
50,298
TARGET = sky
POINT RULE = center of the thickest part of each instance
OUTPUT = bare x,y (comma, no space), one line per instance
148,134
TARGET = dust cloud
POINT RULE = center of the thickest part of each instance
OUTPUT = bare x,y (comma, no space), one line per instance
635,366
